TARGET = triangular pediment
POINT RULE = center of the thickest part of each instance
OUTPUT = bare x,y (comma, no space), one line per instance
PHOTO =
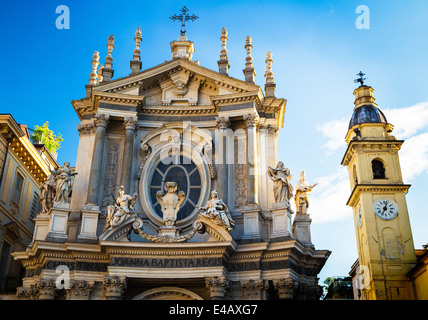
179,76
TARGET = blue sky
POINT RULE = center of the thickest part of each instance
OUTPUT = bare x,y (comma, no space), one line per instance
317,52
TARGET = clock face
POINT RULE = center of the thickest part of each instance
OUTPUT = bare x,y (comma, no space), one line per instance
385,209
359,217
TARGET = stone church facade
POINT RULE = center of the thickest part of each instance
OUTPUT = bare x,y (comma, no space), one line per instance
177,191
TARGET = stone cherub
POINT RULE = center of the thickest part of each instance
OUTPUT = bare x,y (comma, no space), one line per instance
302,192
121,210
217,210
282,188
170,202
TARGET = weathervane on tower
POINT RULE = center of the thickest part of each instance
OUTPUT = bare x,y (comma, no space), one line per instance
360,79
183,17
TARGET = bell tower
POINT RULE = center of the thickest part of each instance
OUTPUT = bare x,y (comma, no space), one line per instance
378,198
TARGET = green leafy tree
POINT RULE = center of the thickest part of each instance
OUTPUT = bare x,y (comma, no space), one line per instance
46,136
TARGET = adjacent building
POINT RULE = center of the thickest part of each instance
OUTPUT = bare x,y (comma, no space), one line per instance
23,168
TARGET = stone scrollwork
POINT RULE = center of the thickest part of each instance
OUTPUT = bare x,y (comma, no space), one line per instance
147,150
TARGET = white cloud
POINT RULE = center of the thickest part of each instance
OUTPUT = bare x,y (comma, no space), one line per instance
408,121
327,201
335,132
414,157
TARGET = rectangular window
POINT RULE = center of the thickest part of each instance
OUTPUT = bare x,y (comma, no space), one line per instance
35,205
17,190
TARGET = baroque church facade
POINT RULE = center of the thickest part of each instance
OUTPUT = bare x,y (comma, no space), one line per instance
177,192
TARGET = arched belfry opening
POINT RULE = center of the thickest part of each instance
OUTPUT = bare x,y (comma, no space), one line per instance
378,169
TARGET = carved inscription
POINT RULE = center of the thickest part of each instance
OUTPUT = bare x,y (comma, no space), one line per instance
166,263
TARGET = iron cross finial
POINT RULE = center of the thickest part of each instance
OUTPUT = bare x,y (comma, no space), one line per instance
360,79
184,17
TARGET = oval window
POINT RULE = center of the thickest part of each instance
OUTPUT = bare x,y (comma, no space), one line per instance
187,176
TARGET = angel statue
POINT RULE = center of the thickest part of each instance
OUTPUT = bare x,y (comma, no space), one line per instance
302,192
170,202
121,210
282,188
217,210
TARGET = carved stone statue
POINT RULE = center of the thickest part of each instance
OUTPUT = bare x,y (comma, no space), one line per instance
64,179
217,210
282,188
121,210
47,194
170,202
302,192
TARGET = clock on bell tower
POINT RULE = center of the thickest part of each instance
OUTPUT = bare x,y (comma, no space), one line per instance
378,198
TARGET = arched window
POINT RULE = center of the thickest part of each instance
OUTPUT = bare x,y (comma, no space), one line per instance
378,169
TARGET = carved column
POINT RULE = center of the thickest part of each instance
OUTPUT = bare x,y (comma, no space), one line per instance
114,287
130,124
46,289
285,288
218,287
80,289
101,122
223,123
251,121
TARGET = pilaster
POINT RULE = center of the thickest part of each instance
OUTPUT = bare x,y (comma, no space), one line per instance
130,124
101,122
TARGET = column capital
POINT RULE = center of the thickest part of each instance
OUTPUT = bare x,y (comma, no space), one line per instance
101,120
285,288
27,293
252,289
46,289
86,128
130,123
222,122
251,120
114,287
80,289
217,286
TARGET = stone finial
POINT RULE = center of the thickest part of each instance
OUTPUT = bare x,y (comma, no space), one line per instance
268,70
136,60
270,85
108,66
223,63
249,48
100,73
95,62
249,71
